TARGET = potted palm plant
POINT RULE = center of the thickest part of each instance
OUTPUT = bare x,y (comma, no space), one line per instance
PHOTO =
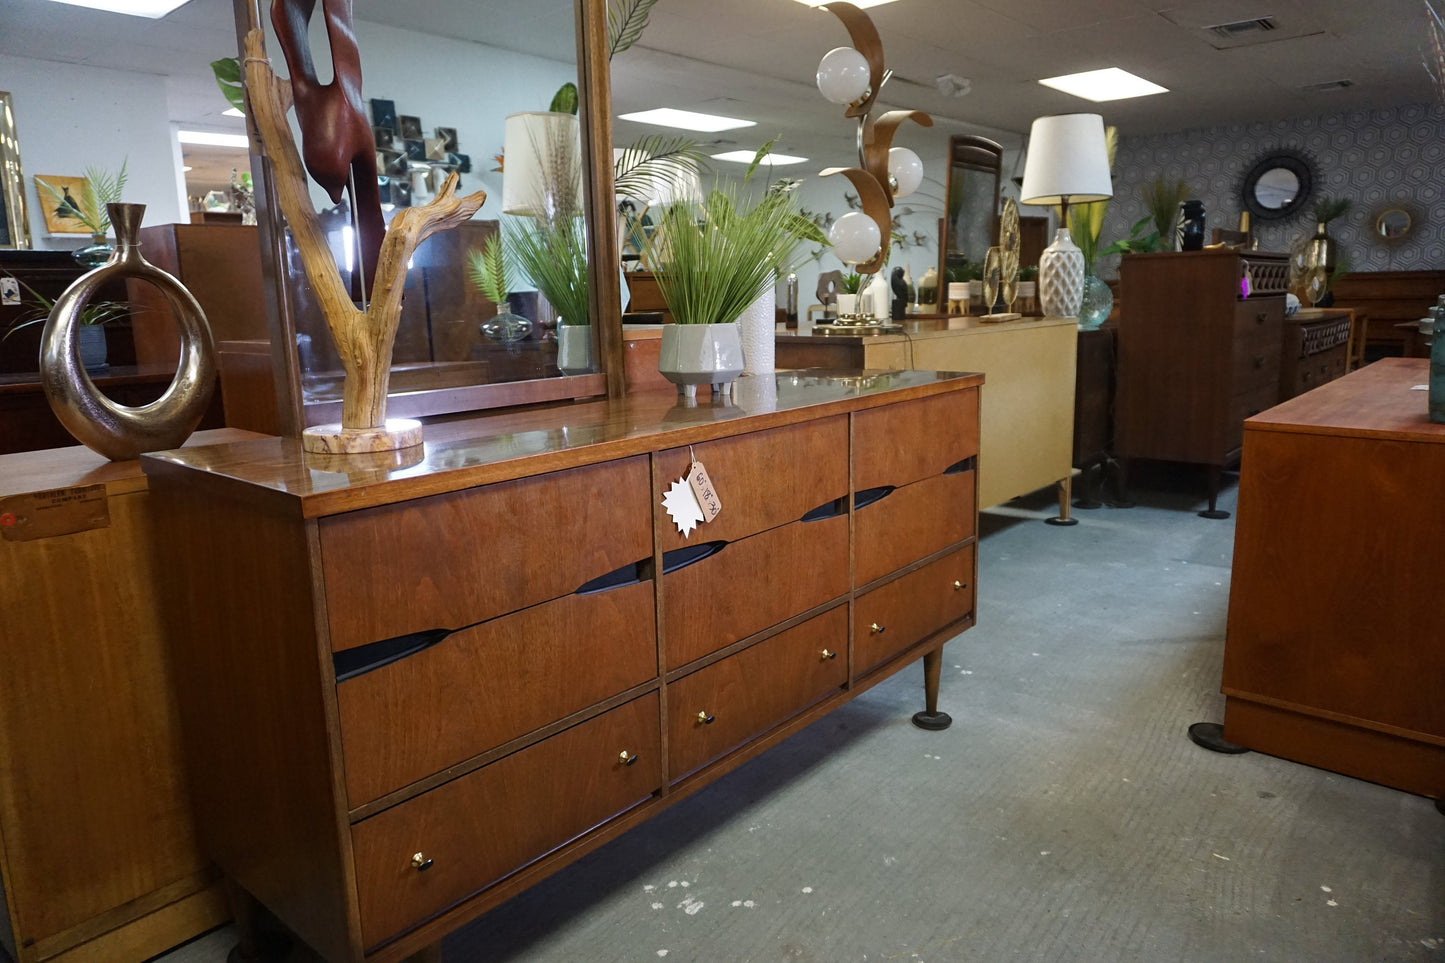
91,333
712,261
99,189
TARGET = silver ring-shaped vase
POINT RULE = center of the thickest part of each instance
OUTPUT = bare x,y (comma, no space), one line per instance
117,431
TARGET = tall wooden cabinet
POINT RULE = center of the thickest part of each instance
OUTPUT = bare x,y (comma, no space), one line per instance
1199,341
416,683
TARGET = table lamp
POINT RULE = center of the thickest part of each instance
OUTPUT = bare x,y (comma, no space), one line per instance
1068,162
543,177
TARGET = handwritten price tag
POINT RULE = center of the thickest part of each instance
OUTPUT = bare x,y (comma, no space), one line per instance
705,490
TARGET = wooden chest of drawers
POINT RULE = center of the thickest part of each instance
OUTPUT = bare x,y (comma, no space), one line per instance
427,685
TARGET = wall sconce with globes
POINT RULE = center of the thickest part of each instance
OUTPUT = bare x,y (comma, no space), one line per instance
852,77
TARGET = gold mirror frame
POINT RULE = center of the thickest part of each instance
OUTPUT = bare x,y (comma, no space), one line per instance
604,294
1381,230
15,216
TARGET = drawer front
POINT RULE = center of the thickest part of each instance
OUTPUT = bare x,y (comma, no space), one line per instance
489,823
449,561
1247,405
1315,370
751,585
718,708
1256,360
906,442
482,686
764,478
1262,314
889,619
912,522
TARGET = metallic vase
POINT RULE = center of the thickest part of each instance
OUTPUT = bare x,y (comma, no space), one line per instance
116,431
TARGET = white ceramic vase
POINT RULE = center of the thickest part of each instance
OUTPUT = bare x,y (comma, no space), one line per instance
847,305
701,354
574,348
1061,277
758,329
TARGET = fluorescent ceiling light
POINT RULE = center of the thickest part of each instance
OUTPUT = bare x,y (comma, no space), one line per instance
687,120
232,112
746,157
187,169
856,3
210,138
151,9
1111,83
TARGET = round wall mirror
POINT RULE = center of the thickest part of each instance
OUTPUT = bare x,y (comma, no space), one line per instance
1393,224
1278,185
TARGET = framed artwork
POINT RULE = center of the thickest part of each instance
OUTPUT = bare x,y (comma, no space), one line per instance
409,127
383,113
14,214
58,219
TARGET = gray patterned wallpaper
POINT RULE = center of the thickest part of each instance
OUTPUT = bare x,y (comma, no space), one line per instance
1378,158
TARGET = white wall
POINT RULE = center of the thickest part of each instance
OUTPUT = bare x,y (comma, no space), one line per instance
69,117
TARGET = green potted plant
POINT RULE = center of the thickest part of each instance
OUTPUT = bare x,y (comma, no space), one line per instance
487,269
1163,200
712,261
553,253
91,333
98,189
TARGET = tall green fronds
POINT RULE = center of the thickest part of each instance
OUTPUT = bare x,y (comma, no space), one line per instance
715,259
626,19
658,160
488,270
1326,209
1163,200
98,189
553,254
39,307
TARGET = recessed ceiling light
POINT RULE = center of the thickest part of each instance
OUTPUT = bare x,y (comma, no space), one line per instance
210,138
232,112
1111,83
686,120
856,3
151,9
746,157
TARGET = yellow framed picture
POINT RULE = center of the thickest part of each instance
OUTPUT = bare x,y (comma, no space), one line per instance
59,219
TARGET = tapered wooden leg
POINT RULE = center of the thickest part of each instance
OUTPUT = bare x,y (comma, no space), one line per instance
1066,498
931,718
1216,478
244,910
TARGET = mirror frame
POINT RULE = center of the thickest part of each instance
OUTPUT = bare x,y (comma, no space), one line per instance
974,153
604,294
13,210
1412,215
1298,164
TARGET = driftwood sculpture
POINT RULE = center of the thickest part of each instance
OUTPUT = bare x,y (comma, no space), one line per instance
364,338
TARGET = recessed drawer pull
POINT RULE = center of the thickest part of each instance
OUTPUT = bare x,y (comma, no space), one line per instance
876,629
421,862
1259,361
626,758
829,654
1261,317
959,586
705,718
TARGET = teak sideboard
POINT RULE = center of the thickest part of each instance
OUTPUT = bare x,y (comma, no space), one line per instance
413,684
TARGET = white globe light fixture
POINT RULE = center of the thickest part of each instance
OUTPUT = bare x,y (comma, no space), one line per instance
843,75
906,170
855,237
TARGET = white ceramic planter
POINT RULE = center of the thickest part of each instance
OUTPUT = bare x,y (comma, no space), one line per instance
574,348
701,354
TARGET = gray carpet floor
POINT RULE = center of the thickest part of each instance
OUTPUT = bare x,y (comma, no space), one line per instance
1064,817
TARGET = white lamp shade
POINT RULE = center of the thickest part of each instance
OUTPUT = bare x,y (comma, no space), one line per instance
1067,159
906,170
855,237
542,171
843,75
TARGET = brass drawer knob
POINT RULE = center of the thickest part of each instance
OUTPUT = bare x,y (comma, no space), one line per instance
959,586
626,758
829,654
876,629
1261,317
705,718
421,862
1259,361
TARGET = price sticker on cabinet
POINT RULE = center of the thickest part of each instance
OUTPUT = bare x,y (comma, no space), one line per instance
705,490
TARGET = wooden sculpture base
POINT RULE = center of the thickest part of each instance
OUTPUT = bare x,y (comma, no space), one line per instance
336,440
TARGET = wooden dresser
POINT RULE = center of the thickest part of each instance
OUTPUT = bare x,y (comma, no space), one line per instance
1334,653
414,685
1195,355
1315,350
98,853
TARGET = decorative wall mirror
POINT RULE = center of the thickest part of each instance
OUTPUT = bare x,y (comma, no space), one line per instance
451,79
1278,185
1393,224
970,224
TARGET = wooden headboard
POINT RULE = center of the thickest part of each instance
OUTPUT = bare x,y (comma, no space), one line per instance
1388,298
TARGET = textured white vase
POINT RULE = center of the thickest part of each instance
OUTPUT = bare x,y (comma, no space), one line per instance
1061,277
758,328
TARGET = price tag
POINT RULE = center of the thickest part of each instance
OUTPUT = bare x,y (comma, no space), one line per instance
61,511
705,490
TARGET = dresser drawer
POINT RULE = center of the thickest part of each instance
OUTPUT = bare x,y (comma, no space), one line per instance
764,478
482,686
1260,314
489,823
1246,405
724,705
912,522
452,560
753,584
912,440
1256,360
889,619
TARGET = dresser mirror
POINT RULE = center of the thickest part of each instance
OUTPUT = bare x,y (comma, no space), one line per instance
970,225
438,84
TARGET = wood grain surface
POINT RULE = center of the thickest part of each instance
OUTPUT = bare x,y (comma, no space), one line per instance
910,608
910,523
908,442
